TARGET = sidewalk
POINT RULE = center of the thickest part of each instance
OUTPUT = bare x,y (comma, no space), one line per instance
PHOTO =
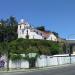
37,69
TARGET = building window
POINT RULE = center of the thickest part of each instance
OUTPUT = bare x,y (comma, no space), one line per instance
24,27
20,27
37,32
41,34
22,31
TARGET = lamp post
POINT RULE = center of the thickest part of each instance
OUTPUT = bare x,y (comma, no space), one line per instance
68,47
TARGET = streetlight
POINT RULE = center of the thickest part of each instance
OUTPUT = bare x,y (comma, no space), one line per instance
68,46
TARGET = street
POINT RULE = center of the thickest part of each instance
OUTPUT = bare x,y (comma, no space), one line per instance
68,70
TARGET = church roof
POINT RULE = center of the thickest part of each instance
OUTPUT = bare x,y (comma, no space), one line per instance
44,34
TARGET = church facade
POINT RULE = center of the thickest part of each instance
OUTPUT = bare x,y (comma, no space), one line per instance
25,30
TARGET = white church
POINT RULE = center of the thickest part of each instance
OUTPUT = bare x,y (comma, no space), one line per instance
25,30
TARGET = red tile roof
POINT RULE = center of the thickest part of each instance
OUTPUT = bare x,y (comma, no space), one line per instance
45,34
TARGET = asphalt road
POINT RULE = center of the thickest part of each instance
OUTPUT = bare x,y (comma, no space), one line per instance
68,70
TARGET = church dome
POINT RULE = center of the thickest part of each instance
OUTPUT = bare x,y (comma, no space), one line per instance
22,21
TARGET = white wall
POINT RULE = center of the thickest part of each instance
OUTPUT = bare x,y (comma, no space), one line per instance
32,35
24,64
51,60
42,61
52,37
19,64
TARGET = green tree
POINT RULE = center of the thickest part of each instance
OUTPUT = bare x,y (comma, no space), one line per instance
15,57
56,34
55,49
11,28
42,28
8,29
35,46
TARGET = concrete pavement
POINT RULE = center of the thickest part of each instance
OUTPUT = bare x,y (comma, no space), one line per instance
35,69
63,70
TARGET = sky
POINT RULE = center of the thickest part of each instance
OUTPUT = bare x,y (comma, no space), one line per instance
55,15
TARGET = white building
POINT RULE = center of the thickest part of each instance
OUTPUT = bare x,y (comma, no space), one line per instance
27,31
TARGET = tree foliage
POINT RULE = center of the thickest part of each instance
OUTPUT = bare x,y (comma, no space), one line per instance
34,46
56,34
8,29
42,28
13,47
9,41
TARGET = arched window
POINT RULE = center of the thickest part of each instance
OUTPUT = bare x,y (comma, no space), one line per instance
20,26
22,31
37,32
